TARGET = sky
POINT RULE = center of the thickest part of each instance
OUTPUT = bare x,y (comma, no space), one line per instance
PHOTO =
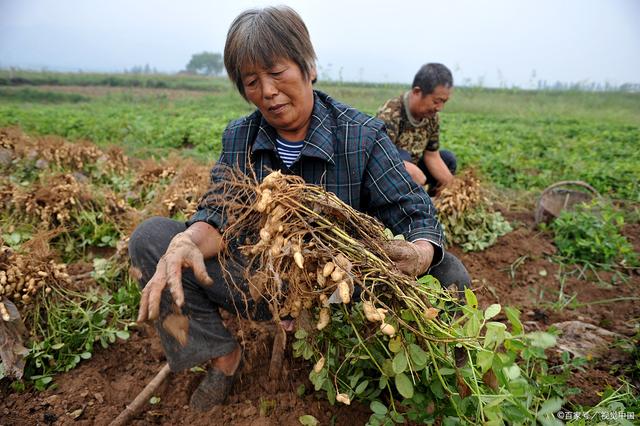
493,42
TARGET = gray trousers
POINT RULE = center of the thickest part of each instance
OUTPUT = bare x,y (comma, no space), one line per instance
208,338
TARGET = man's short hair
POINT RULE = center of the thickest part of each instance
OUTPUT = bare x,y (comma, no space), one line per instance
263,36
431,76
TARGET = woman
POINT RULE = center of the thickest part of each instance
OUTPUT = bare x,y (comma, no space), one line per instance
269,57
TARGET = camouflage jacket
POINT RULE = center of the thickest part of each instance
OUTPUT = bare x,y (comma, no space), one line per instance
404,135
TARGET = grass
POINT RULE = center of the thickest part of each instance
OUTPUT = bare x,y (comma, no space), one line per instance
523,140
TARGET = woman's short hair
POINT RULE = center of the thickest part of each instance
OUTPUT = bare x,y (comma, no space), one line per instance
263,36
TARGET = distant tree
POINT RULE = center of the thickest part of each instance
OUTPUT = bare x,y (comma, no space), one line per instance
207,63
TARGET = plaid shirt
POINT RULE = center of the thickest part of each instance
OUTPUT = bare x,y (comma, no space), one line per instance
346,152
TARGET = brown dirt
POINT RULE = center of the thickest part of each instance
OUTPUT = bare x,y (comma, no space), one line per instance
100,388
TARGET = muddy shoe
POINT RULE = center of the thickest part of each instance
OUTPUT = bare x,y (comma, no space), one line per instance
213,390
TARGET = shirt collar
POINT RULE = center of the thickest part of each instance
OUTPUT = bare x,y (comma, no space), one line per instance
319,140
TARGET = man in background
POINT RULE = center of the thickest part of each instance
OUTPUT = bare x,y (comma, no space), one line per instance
413,125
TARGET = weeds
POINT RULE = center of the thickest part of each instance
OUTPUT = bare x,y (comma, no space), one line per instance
513,268
72,322
591,236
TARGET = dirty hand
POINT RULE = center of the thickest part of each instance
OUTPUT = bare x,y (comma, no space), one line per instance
181,253
442,185
413,259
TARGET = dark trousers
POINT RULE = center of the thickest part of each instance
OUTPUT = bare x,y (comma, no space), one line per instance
448,158
208,338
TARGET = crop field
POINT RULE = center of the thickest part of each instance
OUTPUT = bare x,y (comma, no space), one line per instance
84,158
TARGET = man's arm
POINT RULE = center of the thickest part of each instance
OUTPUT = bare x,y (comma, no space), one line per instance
437,168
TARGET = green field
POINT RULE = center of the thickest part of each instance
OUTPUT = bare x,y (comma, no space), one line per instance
518,139
69,208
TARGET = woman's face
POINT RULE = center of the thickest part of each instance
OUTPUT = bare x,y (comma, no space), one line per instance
283,95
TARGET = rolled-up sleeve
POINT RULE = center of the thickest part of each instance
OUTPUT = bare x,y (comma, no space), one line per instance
233,155
395,199
213,214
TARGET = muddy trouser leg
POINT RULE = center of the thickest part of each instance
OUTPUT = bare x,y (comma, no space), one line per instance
450,272
207,338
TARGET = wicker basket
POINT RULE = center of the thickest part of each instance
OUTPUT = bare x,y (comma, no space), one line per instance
562,196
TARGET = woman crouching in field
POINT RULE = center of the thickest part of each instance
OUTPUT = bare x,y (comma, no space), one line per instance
269,57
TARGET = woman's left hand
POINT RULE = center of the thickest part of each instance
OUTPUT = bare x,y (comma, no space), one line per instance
413,259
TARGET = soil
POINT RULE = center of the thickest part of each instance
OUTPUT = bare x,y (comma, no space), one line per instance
517,271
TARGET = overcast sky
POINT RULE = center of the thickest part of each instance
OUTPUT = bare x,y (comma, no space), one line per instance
495,41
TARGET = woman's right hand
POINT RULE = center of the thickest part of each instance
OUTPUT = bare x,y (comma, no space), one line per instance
181,253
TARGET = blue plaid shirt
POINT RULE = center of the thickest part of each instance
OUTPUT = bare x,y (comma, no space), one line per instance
346,152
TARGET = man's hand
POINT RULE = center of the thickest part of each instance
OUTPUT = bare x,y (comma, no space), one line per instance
413,259
437,167
181,253
440,186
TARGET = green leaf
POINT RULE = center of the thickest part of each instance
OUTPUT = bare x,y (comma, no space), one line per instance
395,344
318,379
512,372
404,385
400,362
57,346
383,382
451,421
300,390
418,356
85,355
472,327
154,400
407,315
513,315
484,359
550,406
397,417
492,311
387,368
122,334
308,420
378,408
471,299
355,378
541,339
436,388
301,333
494,335
362,387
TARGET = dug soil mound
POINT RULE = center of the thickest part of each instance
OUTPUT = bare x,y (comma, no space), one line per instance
517,271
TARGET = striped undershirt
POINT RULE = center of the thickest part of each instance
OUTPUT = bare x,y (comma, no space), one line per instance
288,151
